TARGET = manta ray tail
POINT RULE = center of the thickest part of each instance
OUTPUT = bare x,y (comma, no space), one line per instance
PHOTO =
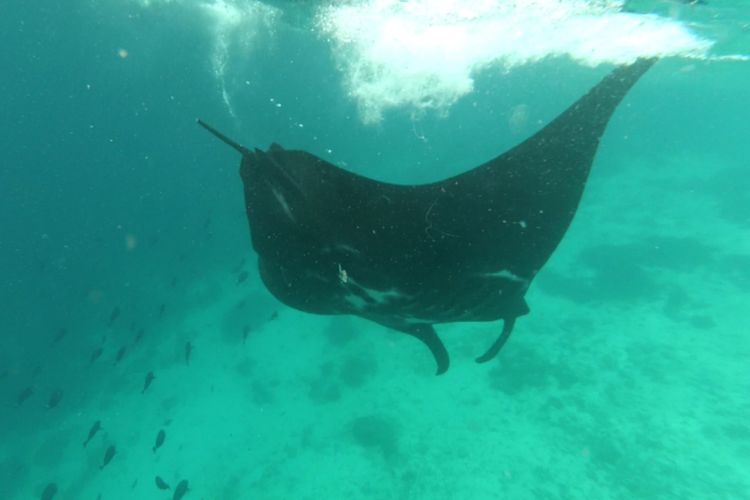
242,149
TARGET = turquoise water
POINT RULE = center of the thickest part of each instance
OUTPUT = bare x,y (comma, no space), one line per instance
123,226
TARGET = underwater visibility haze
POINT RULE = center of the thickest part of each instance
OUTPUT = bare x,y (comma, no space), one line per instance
174,326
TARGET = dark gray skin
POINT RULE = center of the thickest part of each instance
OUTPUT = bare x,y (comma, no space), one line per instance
161,484
108,456
410,256
92,432
180,490
159,440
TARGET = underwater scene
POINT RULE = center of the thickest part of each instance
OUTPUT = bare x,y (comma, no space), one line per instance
375,249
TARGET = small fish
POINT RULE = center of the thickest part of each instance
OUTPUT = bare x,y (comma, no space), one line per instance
274,315
162,308
149,378
161,484
60,335
173,283
245,333
25,394
188,351
182,488
108,455
92,432
54,398
138,336
49,492
120,354
159,440
242,277
95,355
114,315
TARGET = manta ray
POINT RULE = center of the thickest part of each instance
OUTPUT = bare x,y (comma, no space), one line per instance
465,248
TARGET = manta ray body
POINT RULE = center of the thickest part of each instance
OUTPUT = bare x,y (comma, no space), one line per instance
465,248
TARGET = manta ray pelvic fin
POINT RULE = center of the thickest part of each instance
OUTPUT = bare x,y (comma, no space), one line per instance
428,336
499,343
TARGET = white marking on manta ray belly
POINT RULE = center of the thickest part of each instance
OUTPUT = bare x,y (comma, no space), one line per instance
356,301
341,247
380,297
504,273
343,275
283,203
347,248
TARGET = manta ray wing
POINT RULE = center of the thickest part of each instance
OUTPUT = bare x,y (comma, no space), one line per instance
409,256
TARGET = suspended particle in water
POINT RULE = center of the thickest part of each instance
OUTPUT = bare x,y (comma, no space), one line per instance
131,242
